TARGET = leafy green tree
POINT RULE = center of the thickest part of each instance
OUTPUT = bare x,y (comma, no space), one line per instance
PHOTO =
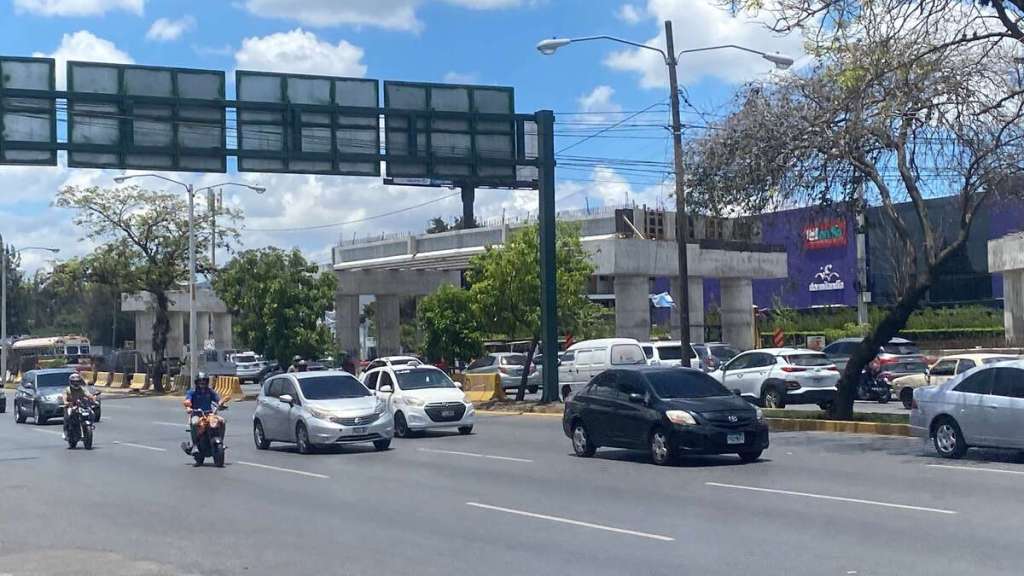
18,293
145,233
279,300
451,329
505,284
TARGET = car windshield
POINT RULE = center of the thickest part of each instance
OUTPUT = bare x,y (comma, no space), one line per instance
670,384
670,352
904,349
909,367
52,379
245,359
995,359
421,379
723,353
514,360
332,387
808,360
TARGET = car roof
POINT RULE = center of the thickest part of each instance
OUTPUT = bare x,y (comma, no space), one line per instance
784,351
895,340
647,369
602,342
318,374
51,371
506,354
979,356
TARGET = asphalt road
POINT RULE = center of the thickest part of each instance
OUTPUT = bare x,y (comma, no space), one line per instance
510,499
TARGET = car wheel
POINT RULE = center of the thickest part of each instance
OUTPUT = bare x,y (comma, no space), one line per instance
38,415
401,426
19,418
825,406
907,397
581,443
465,430
382,445
258,437
949,440
751,456
662,452
533,389
302,439
771,397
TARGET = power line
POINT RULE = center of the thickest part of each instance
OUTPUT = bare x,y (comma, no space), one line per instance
599,132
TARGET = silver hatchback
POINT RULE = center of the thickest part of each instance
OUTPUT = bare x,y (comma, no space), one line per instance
313,409
983,407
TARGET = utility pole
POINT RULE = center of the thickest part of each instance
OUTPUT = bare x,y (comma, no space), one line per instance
682,219
213,200
3,311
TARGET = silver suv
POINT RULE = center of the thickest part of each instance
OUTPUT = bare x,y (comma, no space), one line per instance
774,377
312,409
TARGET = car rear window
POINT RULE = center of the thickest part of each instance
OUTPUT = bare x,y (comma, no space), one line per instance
908,367
514,360
627,354
245,359
332,387
685,384
808,360
670,352
901,349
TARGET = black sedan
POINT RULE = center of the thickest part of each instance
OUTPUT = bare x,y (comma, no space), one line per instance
669,411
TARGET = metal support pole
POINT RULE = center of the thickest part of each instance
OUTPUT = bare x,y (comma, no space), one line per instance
682,219
212,200
548,289
3,312
862,259
468,198
193,359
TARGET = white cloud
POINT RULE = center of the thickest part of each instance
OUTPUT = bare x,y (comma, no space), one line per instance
300,52
697,24
77,7
598,104
165,29
84,45
389,14
453,77
629,14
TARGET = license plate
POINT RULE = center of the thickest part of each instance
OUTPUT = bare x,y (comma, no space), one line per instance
447,413
735,438
359,430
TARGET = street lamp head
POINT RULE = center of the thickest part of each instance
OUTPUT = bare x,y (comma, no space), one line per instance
258,189
120,179
548,47
781,62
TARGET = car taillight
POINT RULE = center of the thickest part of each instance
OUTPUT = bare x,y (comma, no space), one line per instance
793,369
503,370
832,369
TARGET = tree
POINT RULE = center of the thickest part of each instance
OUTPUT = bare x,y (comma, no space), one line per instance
437,225
451,329
18,294
279,300
146,233
505,284
901,107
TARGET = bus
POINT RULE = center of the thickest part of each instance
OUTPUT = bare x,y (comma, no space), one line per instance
30,351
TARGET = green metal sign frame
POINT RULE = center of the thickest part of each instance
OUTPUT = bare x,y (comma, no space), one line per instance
21,102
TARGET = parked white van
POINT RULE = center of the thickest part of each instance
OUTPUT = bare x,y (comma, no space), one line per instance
586,359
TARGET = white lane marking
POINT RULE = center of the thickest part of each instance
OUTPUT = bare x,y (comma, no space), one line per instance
572,522
976,469
475,455
61,434
181,425
833,498
299,472
142,446
114,406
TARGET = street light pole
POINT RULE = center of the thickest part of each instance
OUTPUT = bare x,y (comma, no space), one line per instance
682,218
671,59
193,357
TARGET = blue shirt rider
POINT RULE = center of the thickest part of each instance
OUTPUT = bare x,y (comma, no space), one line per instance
200,397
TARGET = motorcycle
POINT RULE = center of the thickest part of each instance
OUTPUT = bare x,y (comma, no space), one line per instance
80,424
874,388
209,434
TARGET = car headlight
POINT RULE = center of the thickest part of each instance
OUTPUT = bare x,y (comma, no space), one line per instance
681,417
415,401
382,406
760,415
469,406
319,414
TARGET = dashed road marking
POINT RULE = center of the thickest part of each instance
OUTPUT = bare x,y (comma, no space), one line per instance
279,469
475,455
832,498
142,446
571,522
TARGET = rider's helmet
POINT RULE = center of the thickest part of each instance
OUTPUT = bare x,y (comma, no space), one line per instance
303,365
75,380
296,360
202,380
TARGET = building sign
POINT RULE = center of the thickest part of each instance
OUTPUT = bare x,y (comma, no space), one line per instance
826,234
826,280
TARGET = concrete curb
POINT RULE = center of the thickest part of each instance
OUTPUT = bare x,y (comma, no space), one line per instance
808,425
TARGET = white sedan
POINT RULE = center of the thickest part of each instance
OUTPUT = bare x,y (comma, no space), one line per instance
421,398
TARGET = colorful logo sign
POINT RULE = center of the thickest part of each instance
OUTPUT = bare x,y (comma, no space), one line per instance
826,280
825,234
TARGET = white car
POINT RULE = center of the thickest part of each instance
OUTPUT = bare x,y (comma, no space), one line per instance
774,377
421,398
393,361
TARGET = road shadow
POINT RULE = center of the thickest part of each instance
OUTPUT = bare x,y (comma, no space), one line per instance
684,461
328,450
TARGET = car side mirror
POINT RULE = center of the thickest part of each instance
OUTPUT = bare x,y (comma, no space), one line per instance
458,385
287,399
636,398
386,389
737,392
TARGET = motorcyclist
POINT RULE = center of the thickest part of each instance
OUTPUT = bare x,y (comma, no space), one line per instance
298,365
200,398
73,394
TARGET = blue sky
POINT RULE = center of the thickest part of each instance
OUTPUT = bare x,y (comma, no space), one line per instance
590,86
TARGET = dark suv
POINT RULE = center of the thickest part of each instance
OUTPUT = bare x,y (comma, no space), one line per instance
896,351
667,410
